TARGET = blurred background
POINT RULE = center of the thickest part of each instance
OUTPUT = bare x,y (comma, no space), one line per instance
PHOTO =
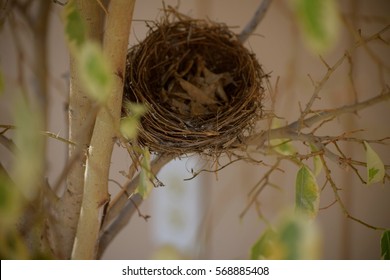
200,218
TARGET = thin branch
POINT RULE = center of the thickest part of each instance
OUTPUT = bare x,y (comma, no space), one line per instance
195,174
259,187
338,198
116,207
291,130
109,234
46,133
122,208
328,206
254,22
331,69
8,143
102,6
345,109
345,159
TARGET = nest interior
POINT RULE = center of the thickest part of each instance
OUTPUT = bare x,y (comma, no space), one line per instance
202,88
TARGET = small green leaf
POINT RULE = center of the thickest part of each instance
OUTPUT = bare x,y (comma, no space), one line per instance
307,193
375,167
281,146
95,71
319,22
385,245
27,169
75,29
129,127
135,109
299,238
316,162
129,124
146,176
11,202
295,237
263,247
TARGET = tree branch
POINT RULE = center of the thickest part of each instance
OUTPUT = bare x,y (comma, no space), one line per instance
81,121
117,31
119,223
291,131
331,69
116,208
338,198
122,208
254,22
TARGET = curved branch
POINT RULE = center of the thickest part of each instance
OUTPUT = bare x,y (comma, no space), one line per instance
254,22
338,198
122,208
331,69
116,208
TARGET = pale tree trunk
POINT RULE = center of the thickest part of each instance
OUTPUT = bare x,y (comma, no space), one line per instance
105,131
86,122
63,229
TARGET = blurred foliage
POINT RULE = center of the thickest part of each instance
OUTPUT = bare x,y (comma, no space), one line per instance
317,163
295,237
95,71
307,193
263,247
75,29
93,67
20,237
281,146
145,185
28,167
385,245
129,123
319,22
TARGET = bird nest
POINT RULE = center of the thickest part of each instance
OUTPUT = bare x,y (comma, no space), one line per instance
202,88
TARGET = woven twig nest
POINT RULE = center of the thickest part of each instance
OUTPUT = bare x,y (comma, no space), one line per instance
202,88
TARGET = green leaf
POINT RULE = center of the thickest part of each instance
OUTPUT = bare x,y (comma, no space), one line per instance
281,146
299,238
95,71
11,202
375,167
129,124
75,29
135,109
27,169
295,237
307,193
385,245
146,176
316,162
129,127
264,246
319,22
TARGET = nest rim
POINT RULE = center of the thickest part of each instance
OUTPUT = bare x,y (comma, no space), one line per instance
171,47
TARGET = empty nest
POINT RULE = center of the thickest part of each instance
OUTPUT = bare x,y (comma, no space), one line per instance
202,88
